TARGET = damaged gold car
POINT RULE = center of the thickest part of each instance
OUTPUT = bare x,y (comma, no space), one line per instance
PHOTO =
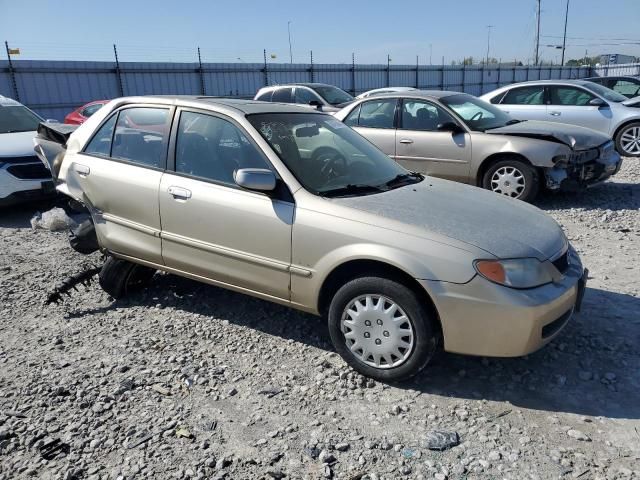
292,206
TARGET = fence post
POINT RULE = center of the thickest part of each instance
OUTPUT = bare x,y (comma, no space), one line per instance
264,70
12,72
201,73
442,74
118,73
482,79
311,67
353,74
388,70
464,77
417,66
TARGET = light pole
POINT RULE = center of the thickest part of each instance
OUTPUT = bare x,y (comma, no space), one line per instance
289,32
489,27
564,39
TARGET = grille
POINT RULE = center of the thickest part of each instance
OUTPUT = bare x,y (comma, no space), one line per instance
30,171
562,262
554,327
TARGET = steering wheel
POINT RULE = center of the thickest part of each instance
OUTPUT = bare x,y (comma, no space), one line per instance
332,164
477,114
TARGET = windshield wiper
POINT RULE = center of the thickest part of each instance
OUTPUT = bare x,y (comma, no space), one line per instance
403,179
351,190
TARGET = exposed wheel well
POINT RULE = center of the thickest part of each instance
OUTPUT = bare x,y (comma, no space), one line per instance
361,268
492,159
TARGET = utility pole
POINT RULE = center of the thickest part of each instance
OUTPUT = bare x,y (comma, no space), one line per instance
489,27
564,39
537,49
289,32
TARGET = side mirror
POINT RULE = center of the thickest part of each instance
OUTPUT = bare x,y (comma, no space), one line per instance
449,127
598,102
259,179
316,103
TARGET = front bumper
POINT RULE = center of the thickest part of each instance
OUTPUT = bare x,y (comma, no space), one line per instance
577,176
22,181
483,318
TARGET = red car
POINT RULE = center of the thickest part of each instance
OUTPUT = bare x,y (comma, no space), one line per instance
80,115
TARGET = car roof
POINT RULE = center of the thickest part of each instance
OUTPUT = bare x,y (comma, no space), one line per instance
8,102
244,106
430,94
618,77
549,82
300,84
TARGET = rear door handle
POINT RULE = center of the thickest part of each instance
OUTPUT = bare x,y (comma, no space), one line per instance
406,141
555,114
81,170
180,193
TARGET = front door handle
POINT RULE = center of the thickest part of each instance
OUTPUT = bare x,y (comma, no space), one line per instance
179,193
555,114
81,170
406,141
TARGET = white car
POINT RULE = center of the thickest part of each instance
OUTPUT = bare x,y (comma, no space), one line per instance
22,175
382,91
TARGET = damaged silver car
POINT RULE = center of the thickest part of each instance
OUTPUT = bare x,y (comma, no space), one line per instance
459,137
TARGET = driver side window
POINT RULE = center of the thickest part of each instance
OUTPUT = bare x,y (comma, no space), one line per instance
304,96
424,116
213,148
569,96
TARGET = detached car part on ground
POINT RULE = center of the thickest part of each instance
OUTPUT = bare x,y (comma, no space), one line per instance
575,102
243,195
459,137
22,175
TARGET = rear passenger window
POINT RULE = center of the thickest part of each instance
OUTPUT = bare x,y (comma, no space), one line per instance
525,96
100,144
282,95
265,96
377,113
140,135
213,148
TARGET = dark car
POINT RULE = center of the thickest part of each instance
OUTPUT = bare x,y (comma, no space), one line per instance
624,85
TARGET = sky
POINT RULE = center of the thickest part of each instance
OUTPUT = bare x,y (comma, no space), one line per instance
238,31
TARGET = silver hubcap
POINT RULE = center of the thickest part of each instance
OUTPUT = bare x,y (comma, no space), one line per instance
630,140
508,181
377,331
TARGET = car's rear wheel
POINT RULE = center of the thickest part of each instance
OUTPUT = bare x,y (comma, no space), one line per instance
382,329
628,140
120,278
513,178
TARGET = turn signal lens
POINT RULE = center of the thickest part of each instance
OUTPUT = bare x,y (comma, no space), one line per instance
491,271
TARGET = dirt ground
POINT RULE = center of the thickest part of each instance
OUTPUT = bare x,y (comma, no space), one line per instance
187,380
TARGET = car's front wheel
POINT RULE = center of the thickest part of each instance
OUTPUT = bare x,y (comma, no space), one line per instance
628,140
512,178
382,328
120,278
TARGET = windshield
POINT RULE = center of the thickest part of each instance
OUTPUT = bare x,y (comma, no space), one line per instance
327,157
605,92
477,114
18,119
333,95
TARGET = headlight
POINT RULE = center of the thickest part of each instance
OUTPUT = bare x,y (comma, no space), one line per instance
514,273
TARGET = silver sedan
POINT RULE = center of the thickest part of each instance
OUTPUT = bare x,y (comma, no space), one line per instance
577,102
460,137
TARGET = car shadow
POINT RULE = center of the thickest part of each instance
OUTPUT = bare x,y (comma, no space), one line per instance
610,195
572,374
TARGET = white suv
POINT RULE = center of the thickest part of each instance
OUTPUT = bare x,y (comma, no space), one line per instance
22,175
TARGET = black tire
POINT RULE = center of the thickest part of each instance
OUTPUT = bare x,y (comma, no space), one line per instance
623,130
120,278
529,175
425,327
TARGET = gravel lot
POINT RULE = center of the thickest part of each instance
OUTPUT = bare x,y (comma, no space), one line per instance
188,380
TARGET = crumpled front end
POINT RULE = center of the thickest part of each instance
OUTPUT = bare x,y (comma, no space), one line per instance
583,168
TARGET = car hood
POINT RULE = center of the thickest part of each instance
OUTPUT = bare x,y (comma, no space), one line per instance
632,102
503,227
16,144
578,138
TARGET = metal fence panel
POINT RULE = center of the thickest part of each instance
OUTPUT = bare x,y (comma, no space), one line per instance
54,88
622,69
